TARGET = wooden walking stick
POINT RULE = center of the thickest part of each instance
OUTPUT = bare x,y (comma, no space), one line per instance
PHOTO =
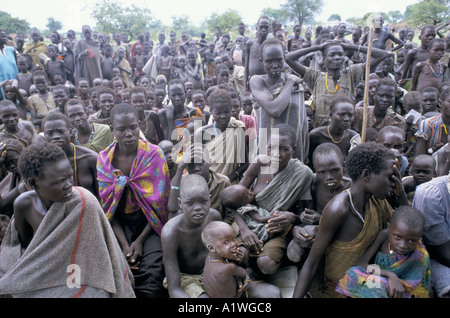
366,87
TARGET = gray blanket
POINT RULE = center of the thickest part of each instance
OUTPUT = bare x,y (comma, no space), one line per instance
74,245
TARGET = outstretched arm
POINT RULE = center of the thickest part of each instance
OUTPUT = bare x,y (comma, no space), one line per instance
292,57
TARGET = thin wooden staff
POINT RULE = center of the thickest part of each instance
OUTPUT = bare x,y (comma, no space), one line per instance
366,87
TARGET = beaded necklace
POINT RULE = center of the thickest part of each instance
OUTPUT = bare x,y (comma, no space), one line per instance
90,136
329,134
440,70
326,84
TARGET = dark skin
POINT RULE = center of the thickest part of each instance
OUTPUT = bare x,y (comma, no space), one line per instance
60,97
339,128
280,221
430,73
328,181
183,249
421,144
41,84
9,116
175,111
253,64
9,160
417,55
398,237
147,125
126,130
339,222
58,132
54,184
443,158
333,57
422,171
223,278
273,62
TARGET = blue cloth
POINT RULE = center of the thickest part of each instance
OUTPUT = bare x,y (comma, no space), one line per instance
8,65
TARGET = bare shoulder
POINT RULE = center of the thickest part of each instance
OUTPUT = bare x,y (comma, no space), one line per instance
170,228
24,201
337,208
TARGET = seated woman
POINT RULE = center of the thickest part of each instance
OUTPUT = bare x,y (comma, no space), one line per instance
281,184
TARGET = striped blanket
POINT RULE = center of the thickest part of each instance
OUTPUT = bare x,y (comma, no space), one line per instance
412,269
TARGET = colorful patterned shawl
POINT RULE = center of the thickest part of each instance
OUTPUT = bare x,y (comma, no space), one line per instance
148,184
413,270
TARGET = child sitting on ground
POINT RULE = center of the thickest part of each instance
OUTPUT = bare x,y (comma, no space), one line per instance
328,181
222,278
402,263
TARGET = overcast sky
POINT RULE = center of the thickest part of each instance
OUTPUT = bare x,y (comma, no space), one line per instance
75,13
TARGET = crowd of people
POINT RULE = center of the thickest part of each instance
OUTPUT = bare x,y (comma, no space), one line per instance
195,168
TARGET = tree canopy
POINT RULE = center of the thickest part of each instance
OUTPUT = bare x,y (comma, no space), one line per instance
13,25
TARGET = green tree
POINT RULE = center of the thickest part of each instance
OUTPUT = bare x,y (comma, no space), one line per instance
396,16
183,24
428,12
275,14
111,16
335,17
13,25
302,11
53,25
226,21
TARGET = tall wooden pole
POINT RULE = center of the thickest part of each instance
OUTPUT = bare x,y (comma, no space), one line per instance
366,86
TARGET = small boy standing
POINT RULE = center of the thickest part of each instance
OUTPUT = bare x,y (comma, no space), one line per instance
432,72
54,66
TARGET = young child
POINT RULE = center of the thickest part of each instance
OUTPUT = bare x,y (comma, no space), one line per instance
222,277
423,169
399,64
393,138
123,65
164,63
432,72
183,251
193,69
42,102
237,197
69,60
107,62
54,66
402,264
24,77
329,180
199,101
412,103
417,55
189,88
430,100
